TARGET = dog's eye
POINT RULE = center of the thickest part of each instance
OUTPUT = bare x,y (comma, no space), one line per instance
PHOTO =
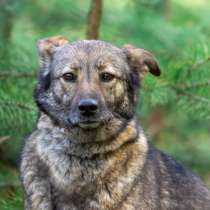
69,77
106,77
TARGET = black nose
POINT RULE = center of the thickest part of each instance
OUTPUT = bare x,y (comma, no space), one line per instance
88,107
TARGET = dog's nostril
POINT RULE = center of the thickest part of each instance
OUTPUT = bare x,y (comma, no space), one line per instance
87,106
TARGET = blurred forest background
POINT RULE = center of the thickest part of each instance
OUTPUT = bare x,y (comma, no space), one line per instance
174,109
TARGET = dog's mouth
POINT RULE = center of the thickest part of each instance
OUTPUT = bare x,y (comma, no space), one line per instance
89,124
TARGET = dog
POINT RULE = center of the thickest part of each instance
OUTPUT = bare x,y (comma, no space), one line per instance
88,151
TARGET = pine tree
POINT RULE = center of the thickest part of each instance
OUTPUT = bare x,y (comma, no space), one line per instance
174,108
181,46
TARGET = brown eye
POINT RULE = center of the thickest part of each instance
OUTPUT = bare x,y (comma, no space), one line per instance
69,77
106,77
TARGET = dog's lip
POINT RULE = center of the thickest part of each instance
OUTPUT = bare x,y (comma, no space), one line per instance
89,124
74,120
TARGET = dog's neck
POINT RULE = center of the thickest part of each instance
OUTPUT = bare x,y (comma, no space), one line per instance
87,144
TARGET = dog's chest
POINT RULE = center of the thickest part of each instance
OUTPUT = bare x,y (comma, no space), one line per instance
68,172
76,183
96,183
73,175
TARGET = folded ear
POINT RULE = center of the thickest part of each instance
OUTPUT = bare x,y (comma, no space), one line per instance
46,48
141,60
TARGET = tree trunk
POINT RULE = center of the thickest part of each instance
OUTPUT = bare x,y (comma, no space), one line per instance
94,19
6,29
155,122
6,25
165,8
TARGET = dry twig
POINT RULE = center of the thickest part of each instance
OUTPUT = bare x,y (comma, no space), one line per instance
10,74
10,185
194,85
4,138
194,97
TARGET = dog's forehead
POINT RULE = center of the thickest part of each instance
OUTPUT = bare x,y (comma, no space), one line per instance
89,51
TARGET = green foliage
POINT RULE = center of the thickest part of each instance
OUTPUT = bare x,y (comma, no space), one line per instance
10,192
14,201
179,37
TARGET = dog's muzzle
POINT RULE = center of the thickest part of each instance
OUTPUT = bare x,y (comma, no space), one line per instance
88,107
87,114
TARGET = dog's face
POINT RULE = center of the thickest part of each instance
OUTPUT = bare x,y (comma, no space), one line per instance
86,84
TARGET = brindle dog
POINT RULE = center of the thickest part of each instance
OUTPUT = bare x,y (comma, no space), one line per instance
88,151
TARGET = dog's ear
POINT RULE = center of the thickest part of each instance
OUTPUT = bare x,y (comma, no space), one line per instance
46,48
141,60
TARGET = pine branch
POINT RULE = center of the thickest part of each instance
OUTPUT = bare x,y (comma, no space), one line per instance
201,62
9,74
184,86
17,105
181,89
194,85
198,64
194,97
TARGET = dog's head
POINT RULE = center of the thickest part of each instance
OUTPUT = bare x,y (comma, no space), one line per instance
88,83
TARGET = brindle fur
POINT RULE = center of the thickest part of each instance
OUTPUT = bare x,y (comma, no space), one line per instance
109,167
